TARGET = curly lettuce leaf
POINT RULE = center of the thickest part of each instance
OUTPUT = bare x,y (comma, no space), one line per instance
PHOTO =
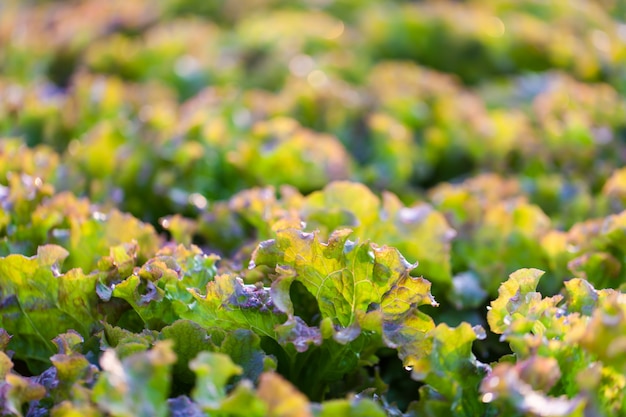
137,385
229,304
38,303
33,215
605,334
366,298
420,233
159,290
16,391
64,386
525,385
74,373
348,280
567,345
451,369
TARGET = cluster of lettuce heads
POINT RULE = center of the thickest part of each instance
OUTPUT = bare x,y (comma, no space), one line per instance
312,208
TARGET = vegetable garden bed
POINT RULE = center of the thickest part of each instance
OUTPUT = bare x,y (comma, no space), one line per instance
312,208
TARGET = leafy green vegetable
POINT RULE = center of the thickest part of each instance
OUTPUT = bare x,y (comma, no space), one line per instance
137,385
39,303
559,363
420,233
237,208
451,355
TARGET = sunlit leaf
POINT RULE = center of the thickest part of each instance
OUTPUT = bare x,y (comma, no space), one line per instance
282,399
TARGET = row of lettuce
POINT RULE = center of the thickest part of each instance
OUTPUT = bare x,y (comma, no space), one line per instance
109,319
473,232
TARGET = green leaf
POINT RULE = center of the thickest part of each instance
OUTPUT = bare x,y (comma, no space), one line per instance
573,349
73,371
605,335
181,228
366,297
506,237
88,233
600,268
581,296
16,390
244,348
160,290
511,294
341,287
405,328
137,385
244,402
452,370
213,371
125,342
350,408
147,300
345,278
229,304
396,154
38,303
189,340
420,233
